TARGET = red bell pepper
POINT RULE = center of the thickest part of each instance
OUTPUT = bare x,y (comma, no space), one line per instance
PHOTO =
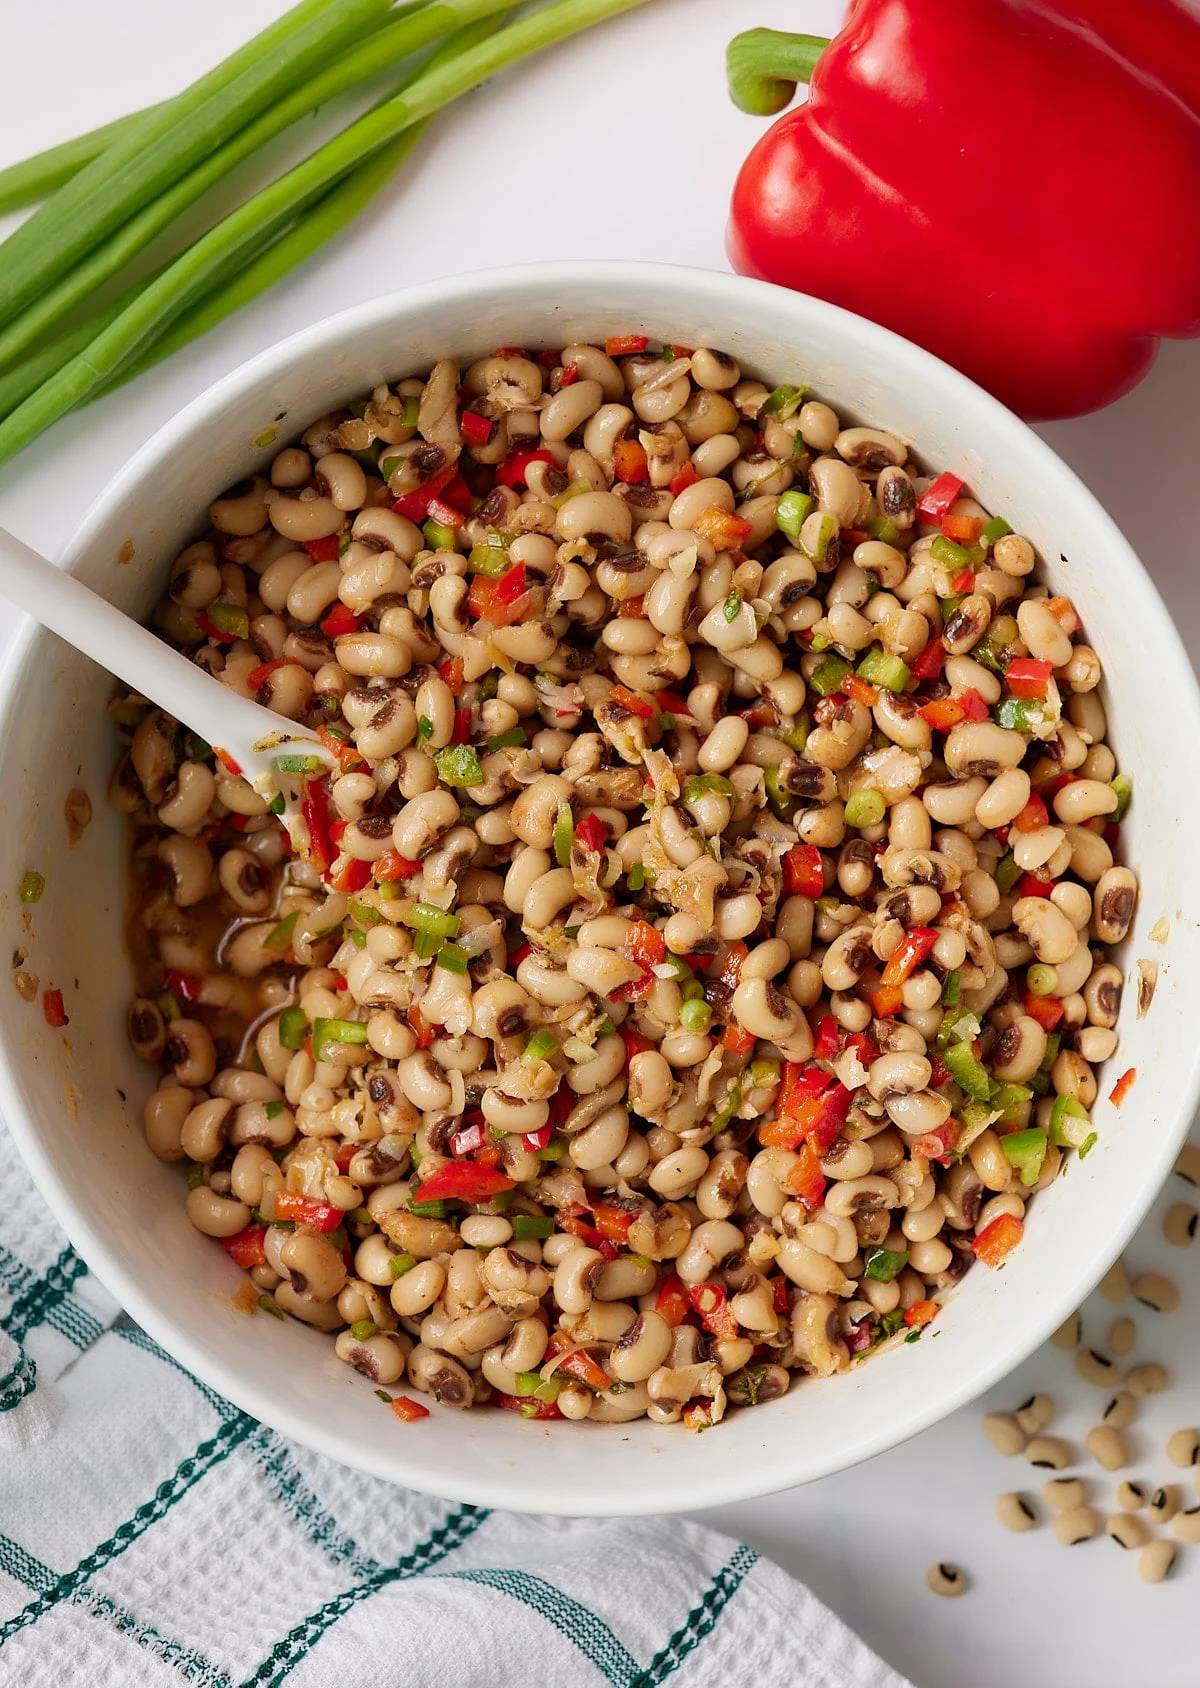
258,677
911,951
325,550
632,702
392,865
711,1301
1025,676
625,345
513,470
1046,1010
804,872
997,1240
672,1299
939,495
463,1181
477,429
340,621
500,601
352,876
927,664
415,504
525,1406
407,1410
245,1249
893,153
805,1179
183,985
825,1043
1033,816
1122,1087
1033,885
629,462
314,806
686,477
920,1313
306,1211
591,832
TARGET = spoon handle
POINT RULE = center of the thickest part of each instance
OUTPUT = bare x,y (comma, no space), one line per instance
145,662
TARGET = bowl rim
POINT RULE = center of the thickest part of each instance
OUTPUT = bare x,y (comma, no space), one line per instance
523,1490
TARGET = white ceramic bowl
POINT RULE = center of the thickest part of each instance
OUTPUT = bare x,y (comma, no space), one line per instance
73,1101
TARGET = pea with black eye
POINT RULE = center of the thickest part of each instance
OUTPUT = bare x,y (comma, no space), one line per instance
1183,1447
946,1580
1016,1513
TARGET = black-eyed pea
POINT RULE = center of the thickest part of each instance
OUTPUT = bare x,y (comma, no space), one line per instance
1131,1497
1016,1512
1035,1414
1114,1285
1127,1530
1185,1526
163,1119
1120,1411
204,1129
641,1349
1187,1163
1069,1333
1113,900
1183,1448
1079,1524
215,1215
1179,1224
1096,1044
1157,1561
575,1279
713,1241
1063,1494
440,1376
380,1357
946,1579
1048,1452
1107,1447
1049,933
1164,1503
1155,1291
1122,1334
1083,799
1096,1368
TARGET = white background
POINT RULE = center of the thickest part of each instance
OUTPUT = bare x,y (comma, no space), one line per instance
624,144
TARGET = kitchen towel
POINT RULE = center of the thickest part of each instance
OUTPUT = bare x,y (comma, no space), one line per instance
151,1533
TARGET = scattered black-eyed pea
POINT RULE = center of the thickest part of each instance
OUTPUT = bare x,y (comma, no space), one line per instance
1127,1529
1114,1285
1183,1447
1179,1224
1081,1523
1121,1411
1164,1503
1069,1333
946,1580
1063,1494
1034,1414
1150,1379
1107,1447
1187,1164
1156,1561
1131,1496
1154,1290
1122,1334
1185,1526
1004,1433
1049,1452
1095,1368
1017,1512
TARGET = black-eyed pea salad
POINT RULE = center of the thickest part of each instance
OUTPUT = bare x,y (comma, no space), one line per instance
700,954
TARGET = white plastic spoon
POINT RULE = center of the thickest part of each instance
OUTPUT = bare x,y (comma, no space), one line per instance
250,736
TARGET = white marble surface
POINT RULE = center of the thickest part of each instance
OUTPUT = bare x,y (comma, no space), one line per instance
545,164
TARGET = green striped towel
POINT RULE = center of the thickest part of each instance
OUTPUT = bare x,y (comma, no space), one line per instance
150,1533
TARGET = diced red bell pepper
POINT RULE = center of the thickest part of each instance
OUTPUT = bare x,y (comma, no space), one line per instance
516,466
470,1136
344,1154
451,672
340,621
964,530
352,876
612,1222
939,1072
800,1084
723,530
391,865
860,691
625,345
863,1047
672,1299
920,1313
462,727
415,504
1122,1087
407,1410
539,1139
183,985
314,807
635,1043
1033,885
306,1211
780,1294
629,462
584,1369
632,702
804,871
463,1181
500,601
963,582
591,832
729,968
997,1240
569,376
938,1144
646,944
909,954
1046,1010
258,677
686,477
817,1120
324,550
974,705
887,1001
227,762
1025,676
477,429
670,703
828,1036
738,1042
246,1248
927,664
711,1301
444,514
1033,816
526,1406
942,713
935,502
805,1179
422,1031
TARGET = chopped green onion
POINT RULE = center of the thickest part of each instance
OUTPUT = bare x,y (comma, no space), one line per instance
790,512
424,727
877,668
453,958
527,1227
430,1210
764,1072
169,1003
1042,979
864,807
885,529
828,675
949,553
796,737
729,1107
967,1071
701,784
438,536
510,740
994,530
826,534
564,835
327,1031
952,989
31,887
357,938
783,803
733,606
555,1149
272,1109
428,945
533,1384
293,1028
363,1329
636,877
363,913
458,766
783,402
884,1264
695,1016
489,559
399,1264
279,938
229,618
438,922
1007,873
820,642
277,805
1123,786
269,1305
572,491
1026,1150
295,764
540,1047
411,411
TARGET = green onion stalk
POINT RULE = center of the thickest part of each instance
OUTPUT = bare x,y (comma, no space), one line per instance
217,255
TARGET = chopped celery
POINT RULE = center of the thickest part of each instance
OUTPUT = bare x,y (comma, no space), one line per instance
884,1264
293,1028
828,675
438,536
790,512
327,1031
782,802
781,403
438,922
564,835
1123,786
1070,1122
1007,873
877,668
949,553
452,958
527,1227
540,1047
952,989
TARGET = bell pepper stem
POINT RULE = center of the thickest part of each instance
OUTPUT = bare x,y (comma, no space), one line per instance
763,67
